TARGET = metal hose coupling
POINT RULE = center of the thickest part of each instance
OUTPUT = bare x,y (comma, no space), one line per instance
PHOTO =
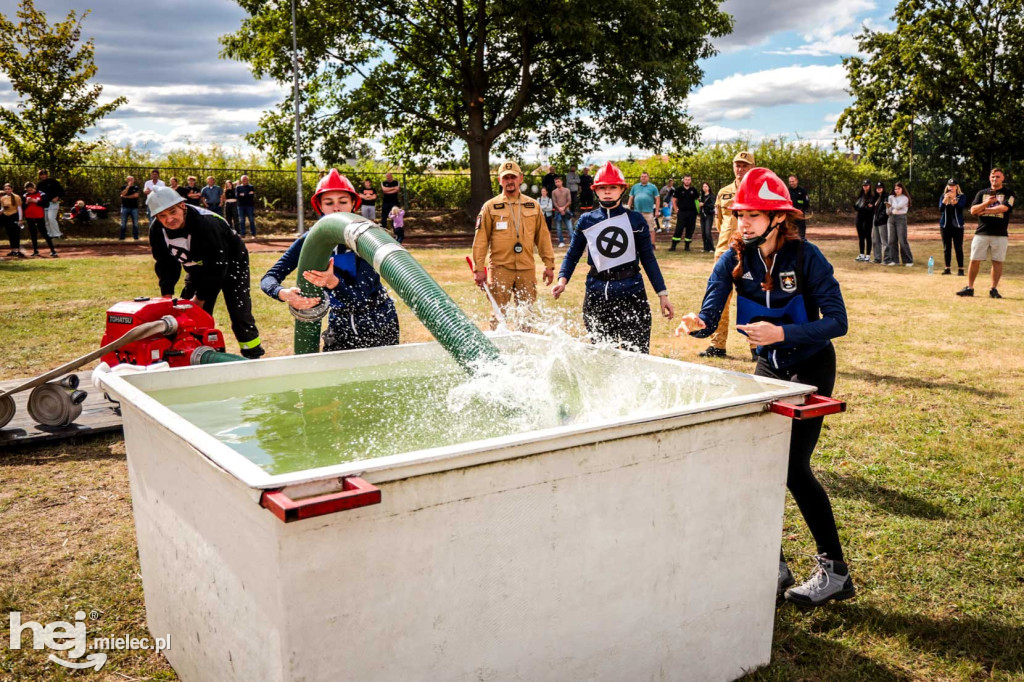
51,404
314,314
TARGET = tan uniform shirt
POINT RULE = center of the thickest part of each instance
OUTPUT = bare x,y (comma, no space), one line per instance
725,222
496,226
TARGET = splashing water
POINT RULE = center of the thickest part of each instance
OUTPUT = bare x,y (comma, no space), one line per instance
296,422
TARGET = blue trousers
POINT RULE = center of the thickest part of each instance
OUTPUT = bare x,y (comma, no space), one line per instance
125,213
250,212
560,218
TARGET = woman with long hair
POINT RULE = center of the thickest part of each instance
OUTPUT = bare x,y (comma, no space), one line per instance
880,229
898,205
951,225
230,203
865,206
787,285
707,216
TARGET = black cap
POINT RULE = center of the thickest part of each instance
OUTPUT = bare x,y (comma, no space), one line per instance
952,181
866,182
880,184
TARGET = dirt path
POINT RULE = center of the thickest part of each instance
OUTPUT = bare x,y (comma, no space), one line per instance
91,249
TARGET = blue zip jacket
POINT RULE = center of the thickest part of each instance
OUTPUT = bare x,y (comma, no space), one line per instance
359,289
632,286
819,290
956,211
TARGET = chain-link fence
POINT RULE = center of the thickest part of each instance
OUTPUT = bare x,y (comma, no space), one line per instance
275,189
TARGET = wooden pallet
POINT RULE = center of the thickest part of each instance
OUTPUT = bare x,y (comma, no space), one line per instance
97,416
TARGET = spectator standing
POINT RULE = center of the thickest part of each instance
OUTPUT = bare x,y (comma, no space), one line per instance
11,216
546,205
180,189
561,200
645,200
151,184
212,196
230,205
130,208
707,216
397,217
686,199
666,195
389,195
993,207
586,191
725,224
801,201
368,197
548,180
510,226
35,216
52,192
899,245
572,183
880,230
246,196
182,236
192,192
951,225
864,204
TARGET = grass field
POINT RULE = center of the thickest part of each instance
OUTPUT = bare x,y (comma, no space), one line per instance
926,469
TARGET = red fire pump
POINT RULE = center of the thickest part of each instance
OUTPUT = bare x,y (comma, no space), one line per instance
195,336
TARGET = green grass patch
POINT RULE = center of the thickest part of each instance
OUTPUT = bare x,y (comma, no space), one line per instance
925,470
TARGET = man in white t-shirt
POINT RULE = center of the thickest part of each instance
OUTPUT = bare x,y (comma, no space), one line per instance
151,184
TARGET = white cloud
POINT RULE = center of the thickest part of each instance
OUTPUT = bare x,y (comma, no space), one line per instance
740,93
756,21
714,133
843,44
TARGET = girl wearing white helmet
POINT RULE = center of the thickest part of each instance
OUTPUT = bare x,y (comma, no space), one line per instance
788,303
618,241
362,314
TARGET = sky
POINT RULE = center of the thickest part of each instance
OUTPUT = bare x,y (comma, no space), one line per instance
779,73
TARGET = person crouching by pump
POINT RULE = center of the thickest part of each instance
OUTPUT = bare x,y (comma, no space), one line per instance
789,304
615,307
362,315
213,256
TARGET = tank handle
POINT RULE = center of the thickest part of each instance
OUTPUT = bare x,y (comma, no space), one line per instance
355,492
815,406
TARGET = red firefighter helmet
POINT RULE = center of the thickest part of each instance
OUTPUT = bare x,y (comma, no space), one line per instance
608,176
334,182
763,190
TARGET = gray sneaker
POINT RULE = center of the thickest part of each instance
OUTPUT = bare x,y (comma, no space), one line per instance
786,579
824,584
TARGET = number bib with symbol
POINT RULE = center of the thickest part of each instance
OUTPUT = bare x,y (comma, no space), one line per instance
611,242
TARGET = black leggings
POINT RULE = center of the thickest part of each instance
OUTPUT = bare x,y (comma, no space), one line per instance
953,238
865,221
13,230
38,225
624,320
818,370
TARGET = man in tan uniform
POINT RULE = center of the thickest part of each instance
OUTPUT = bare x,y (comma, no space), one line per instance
511,225
725,223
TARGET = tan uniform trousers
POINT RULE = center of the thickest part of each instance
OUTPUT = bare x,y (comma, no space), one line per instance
508,284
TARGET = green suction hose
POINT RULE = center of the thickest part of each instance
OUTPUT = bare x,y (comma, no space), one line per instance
434,308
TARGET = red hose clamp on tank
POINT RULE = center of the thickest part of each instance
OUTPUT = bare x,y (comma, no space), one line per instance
355,493
816,406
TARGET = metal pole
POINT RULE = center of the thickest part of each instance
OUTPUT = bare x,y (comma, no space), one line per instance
298,143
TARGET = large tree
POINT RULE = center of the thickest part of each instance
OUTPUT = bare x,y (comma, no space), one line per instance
49,70
421,76
949,80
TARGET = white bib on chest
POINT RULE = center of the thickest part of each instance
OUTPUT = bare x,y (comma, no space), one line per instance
611,242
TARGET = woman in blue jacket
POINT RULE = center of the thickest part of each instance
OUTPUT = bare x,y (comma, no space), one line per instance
362,315
788,302
951,224
618,240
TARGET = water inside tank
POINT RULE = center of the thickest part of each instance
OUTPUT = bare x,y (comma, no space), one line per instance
302,421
